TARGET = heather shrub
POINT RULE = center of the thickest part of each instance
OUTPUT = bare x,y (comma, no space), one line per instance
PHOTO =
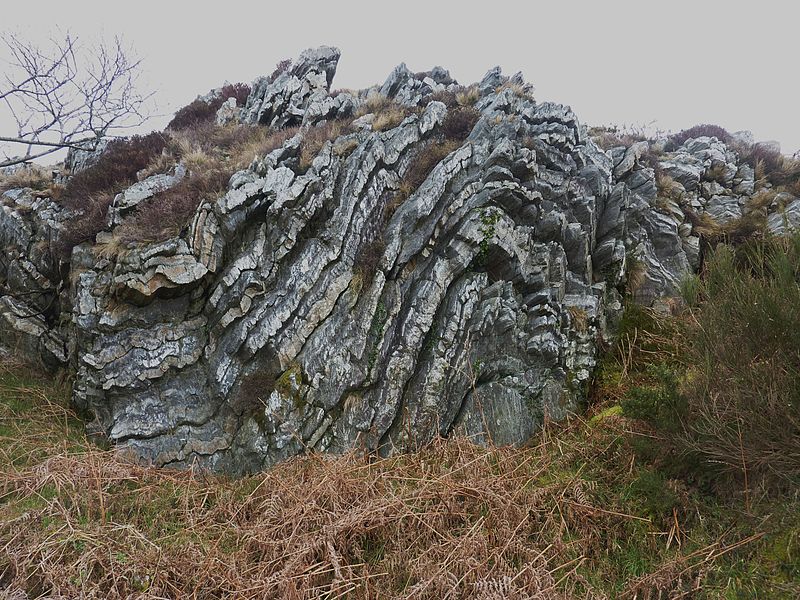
767,162
430,155
166,214
240,91
202,111
92,191
446,97
30,176
458,122
211,153
115,169
368,259
675,141
92,219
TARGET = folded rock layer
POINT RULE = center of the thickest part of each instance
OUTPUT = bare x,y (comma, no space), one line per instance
346,305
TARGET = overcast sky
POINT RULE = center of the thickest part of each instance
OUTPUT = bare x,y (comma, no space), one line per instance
675,63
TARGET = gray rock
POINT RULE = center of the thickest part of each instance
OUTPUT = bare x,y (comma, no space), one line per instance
219,345
744,137
629,159
284,102
412,89
78,160
338,306
785,220
125,202
491,81
684,169
228,112
724,209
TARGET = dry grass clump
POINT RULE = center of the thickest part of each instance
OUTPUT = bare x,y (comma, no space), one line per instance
389,117
388,113
167,213
591,509
751,225
314,138
468,96
668,188
32,177
613,137
519,89
454,520
231,146
374,103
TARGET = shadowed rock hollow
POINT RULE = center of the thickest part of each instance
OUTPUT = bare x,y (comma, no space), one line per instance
450,267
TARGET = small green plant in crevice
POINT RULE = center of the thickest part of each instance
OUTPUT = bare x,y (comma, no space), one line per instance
651,493
476,370
431,338
635,273
489,219
290,385
253,392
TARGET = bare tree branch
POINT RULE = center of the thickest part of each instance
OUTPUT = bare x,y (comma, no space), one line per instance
68,96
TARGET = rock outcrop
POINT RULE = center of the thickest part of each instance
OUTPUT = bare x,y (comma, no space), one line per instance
33,303
336,306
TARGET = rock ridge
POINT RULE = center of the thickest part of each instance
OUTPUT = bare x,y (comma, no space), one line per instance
333,307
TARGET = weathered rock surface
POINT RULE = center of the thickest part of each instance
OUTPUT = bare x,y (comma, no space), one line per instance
31,285
785,219
332,307
78,160
128,200
300,95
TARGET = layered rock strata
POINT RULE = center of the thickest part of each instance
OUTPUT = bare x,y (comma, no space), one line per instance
336,306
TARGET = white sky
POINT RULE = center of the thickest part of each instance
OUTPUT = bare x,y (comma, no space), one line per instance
675,62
